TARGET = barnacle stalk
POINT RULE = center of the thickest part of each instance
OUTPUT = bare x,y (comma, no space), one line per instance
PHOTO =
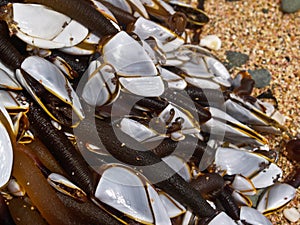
84,14
10,55
159,173
61,148
123,17
39,191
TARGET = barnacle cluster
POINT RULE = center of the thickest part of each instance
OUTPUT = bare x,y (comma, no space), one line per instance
112,113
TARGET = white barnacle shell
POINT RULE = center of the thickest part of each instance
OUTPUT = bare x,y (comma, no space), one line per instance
158,5
174,81
122,4
66,187
267,176
104,10
15,188
197,68
6,156
225,126
275,197
200,66
243,184
6,150
55,31
180,166
139,7
102,86
64,67
138,131
253,216
241,199
52,79
143,86
173,207
222,218
221,74
130,6
245,112
8,82
86,47
127,56
12,102
234,161
7,71
155,53
131,193
167,40
6,115
137,73
189,125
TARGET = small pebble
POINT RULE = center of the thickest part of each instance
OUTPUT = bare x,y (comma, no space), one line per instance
262,77
290,6
291,214
265,10
236,59
211,41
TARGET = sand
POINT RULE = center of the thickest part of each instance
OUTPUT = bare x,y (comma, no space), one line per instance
272,41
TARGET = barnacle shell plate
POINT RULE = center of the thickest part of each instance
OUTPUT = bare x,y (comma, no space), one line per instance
6,156
121,188
55,31
253,216
52,79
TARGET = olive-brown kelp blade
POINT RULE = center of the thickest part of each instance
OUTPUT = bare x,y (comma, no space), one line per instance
39,191
5,216
23,212
42,152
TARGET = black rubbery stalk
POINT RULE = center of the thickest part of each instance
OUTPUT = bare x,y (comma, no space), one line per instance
61,148
122,16
229,204
156,169
9,55
83,12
